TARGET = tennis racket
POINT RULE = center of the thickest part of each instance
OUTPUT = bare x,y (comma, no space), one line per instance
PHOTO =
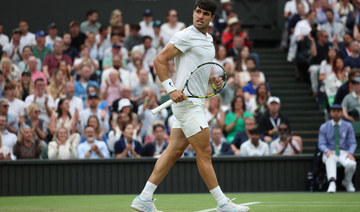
200,83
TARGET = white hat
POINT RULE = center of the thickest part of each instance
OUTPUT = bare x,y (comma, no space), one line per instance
225,1
233,20
273,99
124,103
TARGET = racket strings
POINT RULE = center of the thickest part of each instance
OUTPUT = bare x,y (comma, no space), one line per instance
201,80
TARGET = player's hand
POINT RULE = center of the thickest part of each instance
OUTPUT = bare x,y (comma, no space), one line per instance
329,153
217,82
177,96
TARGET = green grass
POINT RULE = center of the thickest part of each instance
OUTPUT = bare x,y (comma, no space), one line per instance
269,202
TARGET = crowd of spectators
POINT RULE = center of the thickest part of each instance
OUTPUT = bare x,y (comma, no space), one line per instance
87,93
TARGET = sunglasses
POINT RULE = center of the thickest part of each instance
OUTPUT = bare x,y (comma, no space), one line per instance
283,129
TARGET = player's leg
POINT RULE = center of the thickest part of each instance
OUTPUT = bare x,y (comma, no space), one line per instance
174,151
201,145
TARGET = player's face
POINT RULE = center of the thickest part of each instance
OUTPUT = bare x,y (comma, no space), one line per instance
201,19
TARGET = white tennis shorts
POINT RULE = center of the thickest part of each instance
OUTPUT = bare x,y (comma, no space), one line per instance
189,117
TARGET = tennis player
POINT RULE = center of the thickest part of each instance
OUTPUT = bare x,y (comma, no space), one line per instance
190,47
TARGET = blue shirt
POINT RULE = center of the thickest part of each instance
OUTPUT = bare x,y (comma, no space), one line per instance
83,148
80,91
250,88
346,136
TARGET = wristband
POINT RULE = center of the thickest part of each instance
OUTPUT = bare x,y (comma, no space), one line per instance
168,85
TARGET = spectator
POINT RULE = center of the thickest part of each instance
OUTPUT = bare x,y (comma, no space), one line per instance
91,25
335,30
300,14
75,103
250,88
352,18
147,50
146,25
353,61
111,90
116,21
14,48
284,144
62,118
344,47
8,139
269,123
52,61
334,80
12,123
233,29
40,51
96,52
92,148
103,40
4,152
63,146
134,65
16,106
57,85
2,84
44,101
4,39
346,88
100,133
118,66
115,49
158,144
134,38
258,105
52,36
84,82
26,53
337,143
343,8
126,106
351,102
127,146
86,58
234,120
226,62
26,85
290,8
326,66
141,80
27,38
10,71
214,113
35,122
172,25
157,41
145,115
77,37
222,17
68,49
33,71
64,68
28,145
243,135
254,146
219,145
102,115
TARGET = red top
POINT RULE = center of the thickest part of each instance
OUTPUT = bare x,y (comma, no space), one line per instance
229,44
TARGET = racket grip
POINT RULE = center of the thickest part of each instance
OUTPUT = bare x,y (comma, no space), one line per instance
162,106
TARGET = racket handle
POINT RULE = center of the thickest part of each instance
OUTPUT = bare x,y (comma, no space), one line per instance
162,106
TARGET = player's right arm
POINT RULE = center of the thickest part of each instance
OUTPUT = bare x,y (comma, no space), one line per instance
160,63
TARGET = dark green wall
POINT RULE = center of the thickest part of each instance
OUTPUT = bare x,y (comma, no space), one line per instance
128,176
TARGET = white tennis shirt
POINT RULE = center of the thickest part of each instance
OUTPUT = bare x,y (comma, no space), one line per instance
196,49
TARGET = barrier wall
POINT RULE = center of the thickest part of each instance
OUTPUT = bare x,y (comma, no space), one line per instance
128,176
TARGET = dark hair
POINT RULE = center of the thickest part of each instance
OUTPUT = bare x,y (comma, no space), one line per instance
135,26
350,34
59,111
146,37
27,46
329,10
234,100
97,130
38,79
287,125
158,125
257,92
90,12
254,131
87,126
9,85
101,29
250,58
209,5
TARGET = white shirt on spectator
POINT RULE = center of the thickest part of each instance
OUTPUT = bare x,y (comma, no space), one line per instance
325,68
83,148
17,108
9,140
28,39
8,50
86,113
75,103
149,54
290,6
302,28
124,76
49,42
146,29
40,101
4,40
124,53
167,33
248,149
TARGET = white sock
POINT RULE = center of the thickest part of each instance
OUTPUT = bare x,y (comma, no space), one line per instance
218,195
148,191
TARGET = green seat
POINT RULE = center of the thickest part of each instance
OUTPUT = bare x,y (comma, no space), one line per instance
356,126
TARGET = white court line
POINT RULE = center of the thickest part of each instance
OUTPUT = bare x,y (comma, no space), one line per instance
307,202
214,209
264,205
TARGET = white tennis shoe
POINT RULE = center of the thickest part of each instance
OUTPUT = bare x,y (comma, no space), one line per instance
349,186
229,206
332,187
144,205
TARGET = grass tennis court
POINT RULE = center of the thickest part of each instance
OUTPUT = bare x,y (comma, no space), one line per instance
259,202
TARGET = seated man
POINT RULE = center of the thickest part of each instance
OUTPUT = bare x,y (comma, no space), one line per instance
159,143
254,146
338,144
351,103
285,144
242,136
92,148
219,145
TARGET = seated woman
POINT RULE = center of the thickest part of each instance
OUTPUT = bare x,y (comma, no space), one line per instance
335,79
234,120
100,134
226,62
28,145
66,70
63,146
62,118
214,113
4,151
258,105
34,122
57,85
127,146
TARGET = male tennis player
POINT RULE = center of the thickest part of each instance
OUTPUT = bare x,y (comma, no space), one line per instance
190,48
